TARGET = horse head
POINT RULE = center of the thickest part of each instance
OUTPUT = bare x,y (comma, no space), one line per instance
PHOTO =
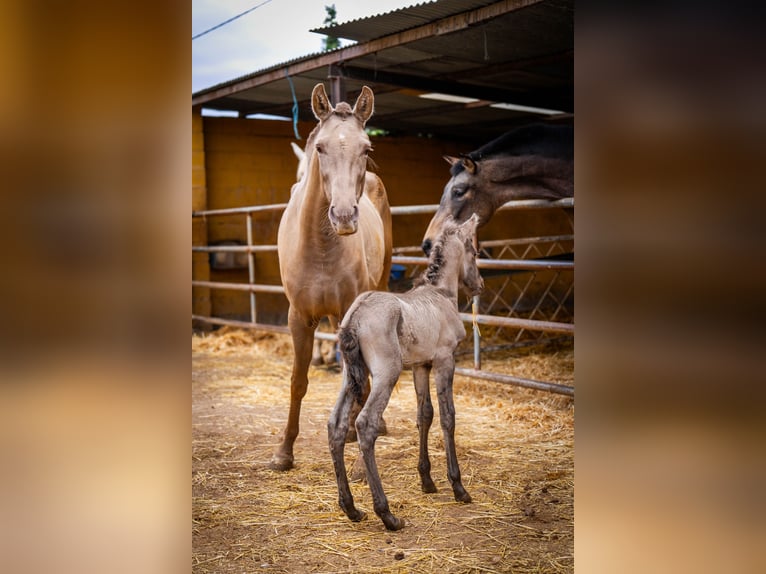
341,146
462,197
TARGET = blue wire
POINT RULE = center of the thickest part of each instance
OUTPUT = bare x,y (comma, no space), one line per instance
295,106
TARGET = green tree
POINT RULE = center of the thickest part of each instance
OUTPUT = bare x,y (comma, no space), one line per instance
330,42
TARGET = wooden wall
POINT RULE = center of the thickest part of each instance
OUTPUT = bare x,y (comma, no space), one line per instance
241,162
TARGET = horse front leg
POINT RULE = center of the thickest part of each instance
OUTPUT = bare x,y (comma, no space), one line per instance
444,373
302,332
420,374
337,427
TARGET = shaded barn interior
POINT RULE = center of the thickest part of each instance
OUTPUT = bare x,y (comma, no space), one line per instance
494,56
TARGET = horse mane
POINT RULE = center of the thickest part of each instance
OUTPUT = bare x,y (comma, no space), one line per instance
553,141
343,110
433,272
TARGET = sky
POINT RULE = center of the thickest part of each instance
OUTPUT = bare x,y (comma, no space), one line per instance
271,34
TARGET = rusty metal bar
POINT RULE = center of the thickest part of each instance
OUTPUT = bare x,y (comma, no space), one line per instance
251,266
259,326
516,204
518,381
532,264
518,323
233,248
476,334
239,286
239,210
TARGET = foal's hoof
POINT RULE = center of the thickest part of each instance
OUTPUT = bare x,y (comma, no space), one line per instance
428,486
357,515
393,523
463,497
281,462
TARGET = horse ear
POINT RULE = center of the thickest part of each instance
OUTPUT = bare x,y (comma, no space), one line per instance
451,159
320,103
469,165
470,225
299,153
364,105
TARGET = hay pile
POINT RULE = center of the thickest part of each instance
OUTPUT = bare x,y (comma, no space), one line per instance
515,448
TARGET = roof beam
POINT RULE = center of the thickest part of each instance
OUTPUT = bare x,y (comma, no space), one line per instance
540,98
439,27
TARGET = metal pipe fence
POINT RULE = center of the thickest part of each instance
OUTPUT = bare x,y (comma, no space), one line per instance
475,318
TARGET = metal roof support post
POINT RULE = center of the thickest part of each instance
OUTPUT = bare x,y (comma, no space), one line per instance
337,85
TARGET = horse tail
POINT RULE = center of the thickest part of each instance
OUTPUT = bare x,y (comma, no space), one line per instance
356,369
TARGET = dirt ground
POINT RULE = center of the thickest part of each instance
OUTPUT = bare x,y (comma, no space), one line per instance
515,448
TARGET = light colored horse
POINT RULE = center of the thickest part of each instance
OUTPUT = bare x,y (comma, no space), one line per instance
535,161
381,333
301,155
334,239
323,352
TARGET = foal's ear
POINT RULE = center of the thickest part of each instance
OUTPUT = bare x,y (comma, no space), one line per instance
469,165
469,225
320,103
451,159
364,105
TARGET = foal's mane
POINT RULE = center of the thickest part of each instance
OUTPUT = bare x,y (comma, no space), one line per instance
545,140
433,272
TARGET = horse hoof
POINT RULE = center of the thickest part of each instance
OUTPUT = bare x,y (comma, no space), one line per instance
463,497
281,463
394,523
428,487
357,515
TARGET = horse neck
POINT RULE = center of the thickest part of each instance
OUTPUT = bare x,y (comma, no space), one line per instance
529,177
315,228
448,279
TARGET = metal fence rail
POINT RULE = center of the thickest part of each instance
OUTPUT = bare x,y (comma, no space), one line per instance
500,265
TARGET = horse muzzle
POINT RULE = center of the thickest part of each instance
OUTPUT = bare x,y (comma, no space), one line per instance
346,221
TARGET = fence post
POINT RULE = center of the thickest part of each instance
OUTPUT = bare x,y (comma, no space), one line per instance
251,265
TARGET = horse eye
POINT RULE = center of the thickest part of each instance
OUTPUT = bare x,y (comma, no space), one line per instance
459,191
319,148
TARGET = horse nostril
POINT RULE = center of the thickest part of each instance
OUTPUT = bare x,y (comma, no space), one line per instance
426,247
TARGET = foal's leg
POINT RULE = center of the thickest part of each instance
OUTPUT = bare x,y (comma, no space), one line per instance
444,371
385,373
337,427
302,332
420,375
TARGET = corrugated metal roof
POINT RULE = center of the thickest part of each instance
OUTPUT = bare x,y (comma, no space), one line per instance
379,25
511,51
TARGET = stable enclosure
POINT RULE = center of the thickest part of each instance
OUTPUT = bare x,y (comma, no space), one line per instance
246,169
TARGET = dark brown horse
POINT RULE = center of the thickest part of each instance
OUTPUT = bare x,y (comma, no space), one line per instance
531,162
334,239
381,333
